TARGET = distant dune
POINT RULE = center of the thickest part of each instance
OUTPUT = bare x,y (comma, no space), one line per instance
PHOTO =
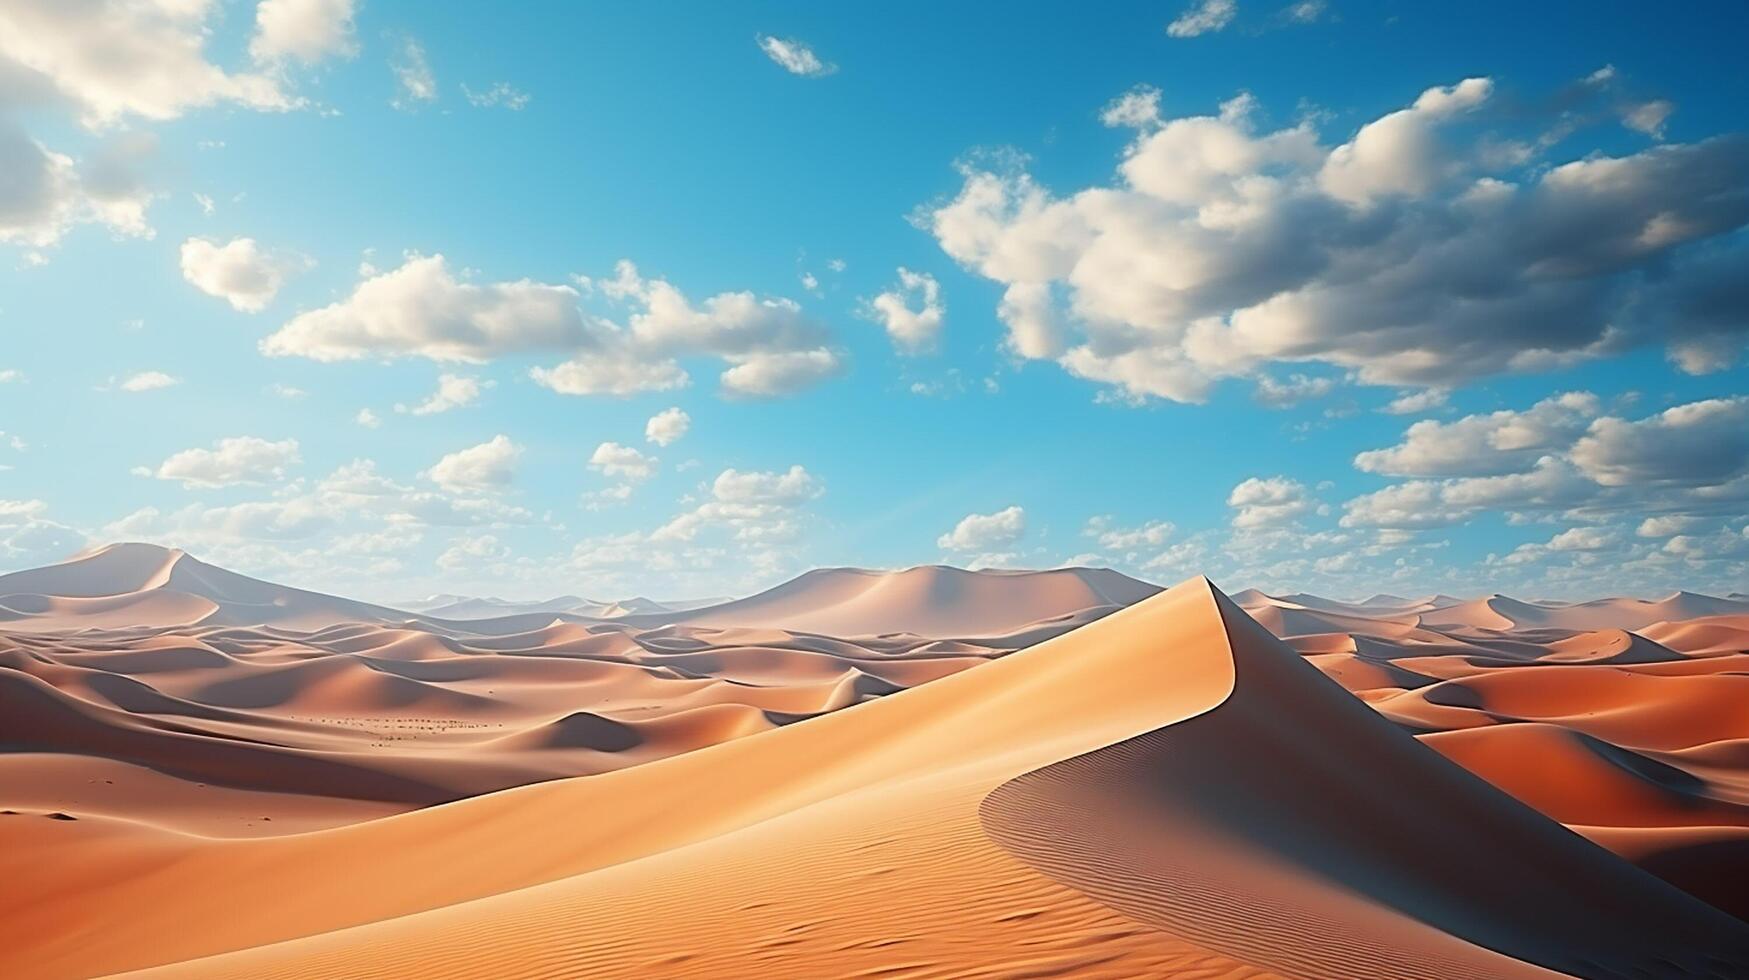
1129,784
932,600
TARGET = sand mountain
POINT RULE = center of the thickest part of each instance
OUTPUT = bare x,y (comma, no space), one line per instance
1251,815
133,584
929,600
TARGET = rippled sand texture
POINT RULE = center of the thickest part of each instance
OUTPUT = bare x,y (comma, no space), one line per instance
245,780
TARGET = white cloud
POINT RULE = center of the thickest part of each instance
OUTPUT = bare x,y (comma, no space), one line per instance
1269,502
288,392
1414,254
148,381
499,94
116,58
1305,11
470,551
1139,108
912,331
985,532
1152,534
759,507
46,193
1665,525
1399,154
239,272
413,75
453,391
488,466
1297,388
1648,117
1486,445
307,30
1205,17
422,310
666,427
772,347
367,418
1417,402
624,462
242,459
1700,444
794,56
11,375
1551,483
28,537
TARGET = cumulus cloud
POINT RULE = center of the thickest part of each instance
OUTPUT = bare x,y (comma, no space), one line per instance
985,532
772,347
1561,458
148,381
1417,402
1113,538
1551,483
240,272
912,330
624,462
1648,117
116,58
46,193
488,466
1665,525
1203,18
422,310
666,427
759,507
242,459
1486,445
306,30
367,418
1139,108
794,56
1294,389
1418,252
1703,443
453,391
1268,502
1584,541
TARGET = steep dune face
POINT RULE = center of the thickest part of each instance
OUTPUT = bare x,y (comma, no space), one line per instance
335,788
1356,839
1631,735
930,600
882,840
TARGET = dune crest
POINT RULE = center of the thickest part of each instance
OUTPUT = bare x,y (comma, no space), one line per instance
813,782
883,837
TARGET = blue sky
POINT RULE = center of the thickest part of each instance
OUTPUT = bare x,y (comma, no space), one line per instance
1158,286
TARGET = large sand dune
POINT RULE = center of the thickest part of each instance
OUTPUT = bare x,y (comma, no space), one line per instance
812,783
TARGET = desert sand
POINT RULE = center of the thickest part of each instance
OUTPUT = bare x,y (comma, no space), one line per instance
814,782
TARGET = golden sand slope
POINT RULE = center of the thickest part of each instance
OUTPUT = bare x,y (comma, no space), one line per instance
853,845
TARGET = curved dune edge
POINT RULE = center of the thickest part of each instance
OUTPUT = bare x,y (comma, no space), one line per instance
1294,828
855,844
927,756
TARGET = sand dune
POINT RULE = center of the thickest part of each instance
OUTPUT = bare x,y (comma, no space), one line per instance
931,600
811,782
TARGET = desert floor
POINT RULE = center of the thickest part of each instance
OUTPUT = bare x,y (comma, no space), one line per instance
211,775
